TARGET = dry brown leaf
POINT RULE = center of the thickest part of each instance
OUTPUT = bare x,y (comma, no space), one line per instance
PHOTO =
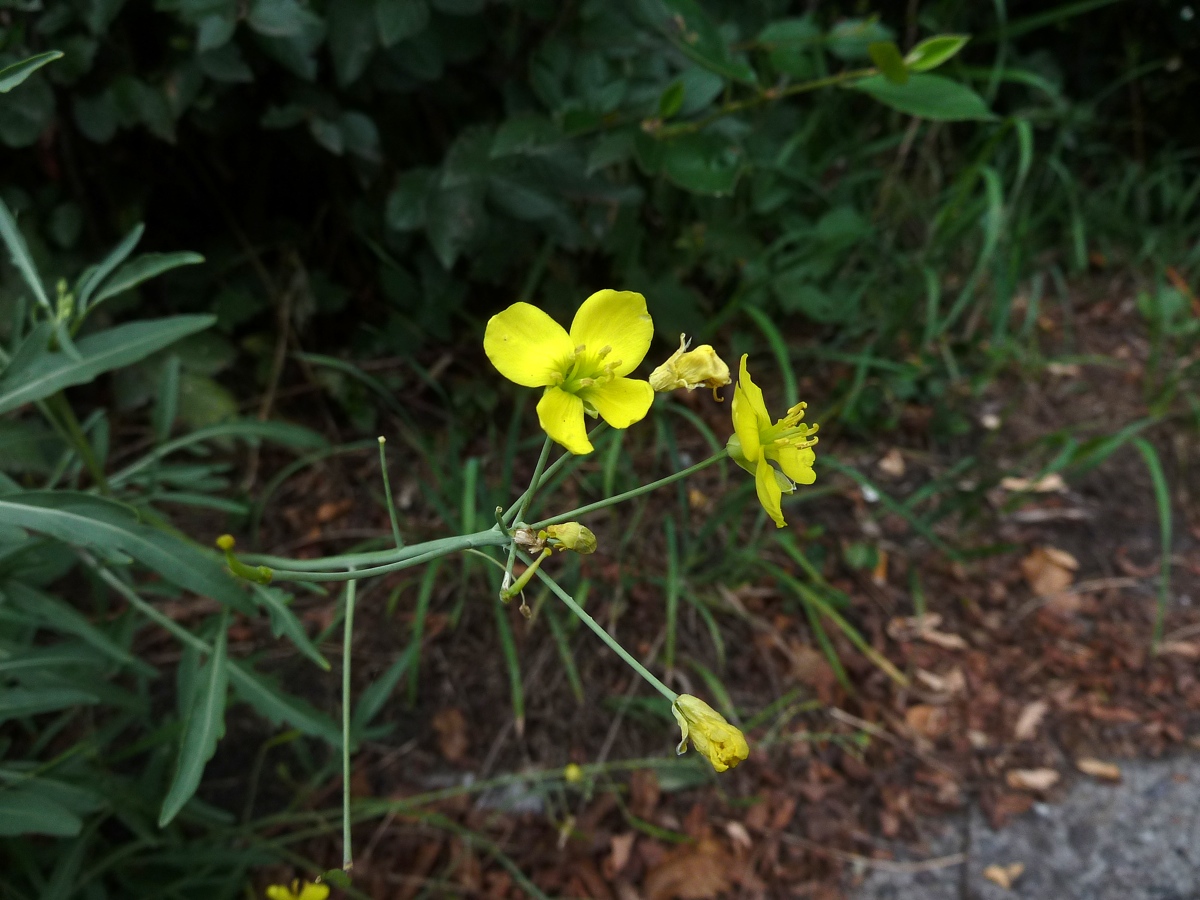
451,727
1029,720
953,682
739,835
1186,649
892,463
621,846
1064,370
927,721
924,628
1047,484
1049,570
694,872
1032,779
1005,876
1098,768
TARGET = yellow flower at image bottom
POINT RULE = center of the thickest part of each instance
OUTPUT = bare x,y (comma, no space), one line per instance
298,890
582,371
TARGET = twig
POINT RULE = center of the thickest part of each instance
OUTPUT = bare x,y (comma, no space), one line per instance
883,865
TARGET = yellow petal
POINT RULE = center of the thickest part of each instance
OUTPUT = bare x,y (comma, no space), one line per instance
280,892
620,402
769,491
617,320
526,345
314,892
796,462
561,417
722,744
754,395
745,425
683,725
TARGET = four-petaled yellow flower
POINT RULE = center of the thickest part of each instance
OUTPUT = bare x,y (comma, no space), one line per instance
298,891
712,736
691,369
583,371
756,444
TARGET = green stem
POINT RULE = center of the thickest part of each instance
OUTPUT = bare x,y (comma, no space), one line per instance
57,408
412,555
554,469
387,493
347,641
761,99
629,495
521,506
604,635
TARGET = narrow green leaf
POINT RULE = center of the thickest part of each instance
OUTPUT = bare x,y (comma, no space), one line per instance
279,707
83,519
11,76
18,702
398,20
381,688
204,727
18,250
887,58
24,810
284,621
93,276
143,268
932,52
112,349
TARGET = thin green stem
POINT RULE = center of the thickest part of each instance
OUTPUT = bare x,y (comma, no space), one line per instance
629,495
520,507
555,467
768,96
347,649
387,493
604,635
60,410
413,555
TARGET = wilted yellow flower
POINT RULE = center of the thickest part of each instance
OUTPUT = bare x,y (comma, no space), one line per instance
583,371
691,369
755,444
571,536
713,737
298,891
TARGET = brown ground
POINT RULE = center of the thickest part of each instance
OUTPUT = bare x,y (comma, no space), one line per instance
1034,655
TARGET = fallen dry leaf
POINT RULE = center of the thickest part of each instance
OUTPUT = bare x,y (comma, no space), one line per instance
621,846
927,721
1032,779
1049,570
1097,768
1029,720
1186,649
1005,876
953,682
1047,484
924,628
892,463
451,727
739,835
693,872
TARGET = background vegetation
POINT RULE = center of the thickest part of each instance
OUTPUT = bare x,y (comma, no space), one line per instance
366,182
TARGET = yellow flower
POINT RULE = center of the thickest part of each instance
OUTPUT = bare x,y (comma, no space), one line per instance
295,891
755,444
712,736
691,369
583,371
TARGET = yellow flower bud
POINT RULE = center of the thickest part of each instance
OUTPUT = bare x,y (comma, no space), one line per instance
298,890
713,737
572,536
572,773
691,369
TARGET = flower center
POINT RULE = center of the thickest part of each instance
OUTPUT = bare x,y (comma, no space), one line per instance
583,369
790,431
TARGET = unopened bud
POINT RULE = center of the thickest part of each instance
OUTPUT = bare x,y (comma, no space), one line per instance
691,369
571,536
